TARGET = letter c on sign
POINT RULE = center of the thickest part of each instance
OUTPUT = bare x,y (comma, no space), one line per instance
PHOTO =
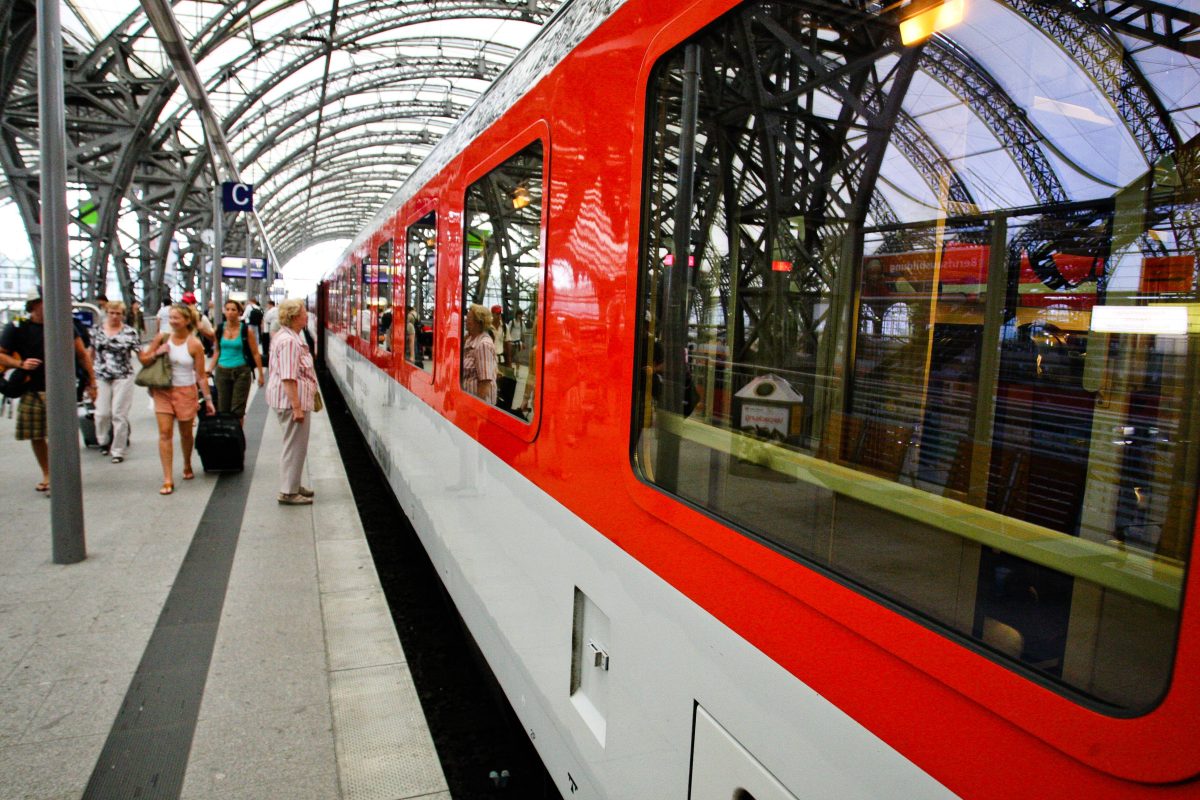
241,194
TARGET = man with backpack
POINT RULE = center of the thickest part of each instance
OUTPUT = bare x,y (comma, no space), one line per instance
253,316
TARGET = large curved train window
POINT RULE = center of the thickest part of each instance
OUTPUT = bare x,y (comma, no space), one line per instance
420,285
502,278
926,315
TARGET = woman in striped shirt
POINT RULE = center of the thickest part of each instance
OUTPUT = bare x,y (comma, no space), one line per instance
291,391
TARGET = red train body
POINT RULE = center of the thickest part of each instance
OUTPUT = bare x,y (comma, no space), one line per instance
979,724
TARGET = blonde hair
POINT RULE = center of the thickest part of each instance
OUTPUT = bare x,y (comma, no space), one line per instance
115,305
189,313
290,309
480,314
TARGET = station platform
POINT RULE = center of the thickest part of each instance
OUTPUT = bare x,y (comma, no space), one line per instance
214,643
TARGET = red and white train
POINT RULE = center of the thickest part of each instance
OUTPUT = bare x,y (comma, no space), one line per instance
836,433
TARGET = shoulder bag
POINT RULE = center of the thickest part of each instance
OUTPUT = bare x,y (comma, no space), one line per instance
156,374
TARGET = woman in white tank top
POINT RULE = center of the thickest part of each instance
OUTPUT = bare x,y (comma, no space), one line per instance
179,403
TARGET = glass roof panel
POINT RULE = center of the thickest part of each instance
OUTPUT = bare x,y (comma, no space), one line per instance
906,192
1176,81
1065,104
103,15
968,144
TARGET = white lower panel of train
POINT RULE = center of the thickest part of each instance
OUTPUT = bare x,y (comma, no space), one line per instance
525,574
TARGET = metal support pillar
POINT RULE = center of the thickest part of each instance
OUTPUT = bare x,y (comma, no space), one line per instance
151,277
218,247
251,284
66,512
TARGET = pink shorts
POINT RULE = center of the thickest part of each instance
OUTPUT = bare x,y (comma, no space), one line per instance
181,402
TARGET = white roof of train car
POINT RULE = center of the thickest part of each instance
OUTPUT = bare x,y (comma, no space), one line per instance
570,25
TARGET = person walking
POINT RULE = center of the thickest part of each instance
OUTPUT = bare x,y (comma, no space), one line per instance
270,327
22,346
136,319
292,391
115,343
162,317
180,402
204,326
237,359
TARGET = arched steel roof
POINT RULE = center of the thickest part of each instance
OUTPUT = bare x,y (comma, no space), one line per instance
309,92
329,105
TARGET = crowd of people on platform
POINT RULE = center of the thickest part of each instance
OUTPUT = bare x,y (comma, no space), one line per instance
108,352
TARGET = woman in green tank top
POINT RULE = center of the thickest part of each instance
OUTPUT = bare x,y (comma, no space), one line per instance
237,351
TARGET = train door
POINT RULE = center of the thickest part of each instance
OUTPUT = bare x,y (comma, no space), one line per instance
322,321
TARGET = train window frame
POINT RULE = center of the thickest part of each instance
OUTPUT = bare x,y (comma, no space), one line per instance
412,219
1021,697
366,311
538,132
353,295
336,293
345,298
370,290
381,352
335,298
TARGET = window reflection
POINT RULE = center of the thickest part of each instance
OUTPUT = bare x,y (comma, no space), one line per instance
869,328
420,293
383,297
502,281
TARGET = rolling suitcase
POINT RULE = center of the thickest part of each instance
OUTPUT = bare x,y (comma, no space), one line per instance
506,387
87,424
220,443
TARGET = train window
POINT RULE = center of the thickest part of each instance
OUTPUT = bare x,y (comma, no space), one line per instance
383,296
925,317
349,287
352,299
420,285
366,281
503,276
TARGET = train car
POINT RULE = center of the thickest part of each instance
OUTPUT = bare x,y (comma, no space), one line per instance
798,398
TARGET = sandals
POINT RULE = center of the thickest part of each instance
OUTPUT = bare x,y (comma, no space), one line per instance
167,488
42,487
188,474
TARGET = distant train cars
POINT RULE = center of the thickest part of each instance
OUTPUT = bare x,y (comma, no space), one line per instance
837,431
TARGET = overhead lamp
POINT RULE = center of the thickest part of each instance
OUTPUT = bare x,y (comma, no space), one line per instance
923,18
521,197
1168,320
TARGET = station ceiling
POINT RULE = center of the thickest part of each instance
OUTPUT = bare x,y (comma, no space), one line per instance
327,106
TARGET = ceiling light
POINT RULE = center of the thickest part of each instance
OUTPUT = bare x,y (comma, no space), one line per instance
922,18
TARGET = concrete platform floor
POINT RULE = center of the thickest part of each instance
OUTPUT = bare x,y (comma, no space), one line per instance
306,695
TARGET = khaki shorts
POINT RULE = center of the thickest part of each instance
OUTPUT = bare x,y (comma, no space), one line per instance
181,402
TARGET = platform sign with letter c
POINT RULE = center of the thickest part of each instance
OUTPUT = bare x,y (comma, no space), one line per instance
237,196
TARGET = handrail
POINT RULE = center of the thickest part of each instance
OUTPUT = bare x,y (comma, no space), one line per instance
1148,577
